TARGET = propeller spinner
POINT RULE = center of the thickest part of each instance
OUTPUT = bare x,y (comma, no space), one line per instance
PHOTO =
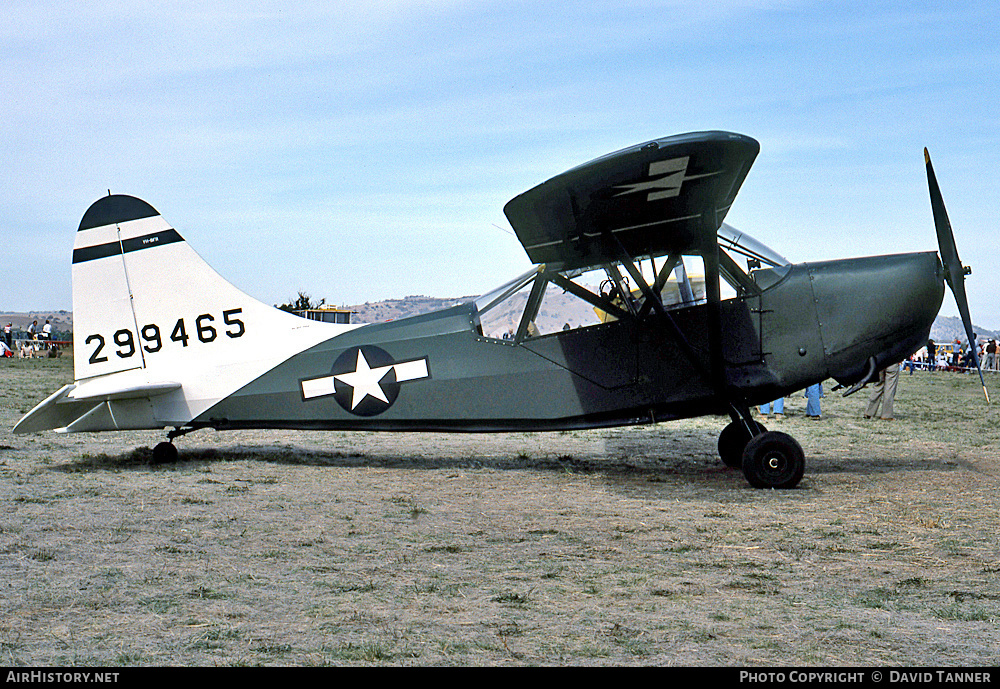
955,272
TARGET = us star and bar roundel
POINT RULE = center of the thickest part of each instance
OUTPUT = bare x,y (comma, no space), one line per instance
365,380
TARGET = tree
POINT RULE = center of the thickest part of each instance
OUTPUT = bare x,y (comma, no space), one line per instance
302,303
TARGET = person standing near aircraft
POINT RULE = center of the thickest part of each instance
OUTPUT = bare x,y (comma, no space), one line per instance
884,393
970,359
812,401
775,409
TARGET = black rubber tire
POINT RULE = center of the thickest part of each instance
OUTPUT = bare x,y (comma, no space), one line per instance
164,453
773,460
733,440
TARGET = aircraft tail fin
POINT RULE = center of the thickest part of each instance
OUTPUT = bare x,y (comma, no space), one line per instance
142,298
159,336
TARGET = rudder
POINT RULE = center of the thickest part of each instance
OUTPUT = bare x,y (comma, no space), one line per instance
143,299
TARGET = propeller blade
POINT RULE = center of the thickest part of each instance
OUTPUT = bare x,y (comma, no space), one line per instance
955,272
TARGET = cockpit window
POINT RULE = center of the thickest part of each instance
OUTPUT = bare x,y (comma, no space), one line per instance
500,310
541,302
533,305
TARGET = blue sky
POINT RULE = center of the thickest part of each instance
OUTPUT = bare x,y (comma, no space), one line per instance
365,151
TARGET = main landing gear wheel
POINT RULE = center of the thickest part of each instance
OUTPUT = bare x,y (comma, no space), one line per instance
773,460
164,453
733,440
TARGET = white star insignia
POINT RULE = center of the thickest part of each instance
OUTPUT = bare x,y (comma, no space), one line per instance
365,381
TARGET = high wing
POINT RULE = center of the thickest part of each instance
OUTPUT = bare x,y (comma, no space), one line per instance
665,196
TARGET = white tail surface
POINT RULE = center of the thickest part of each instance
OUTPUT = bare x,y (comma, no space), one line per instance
159,337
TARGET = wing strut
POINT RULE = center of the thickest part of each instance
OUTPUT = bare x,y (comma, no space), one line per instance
576,290
650,297
710,254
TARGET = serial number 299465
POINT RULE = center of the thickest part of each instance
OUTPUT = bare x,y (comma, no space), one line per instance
151,337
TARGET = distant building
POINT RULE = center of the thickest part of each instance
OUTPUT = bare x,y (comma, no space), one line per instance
327,315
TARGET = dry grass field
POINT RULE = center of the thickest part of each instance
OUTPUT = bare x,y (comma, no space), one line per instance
619,547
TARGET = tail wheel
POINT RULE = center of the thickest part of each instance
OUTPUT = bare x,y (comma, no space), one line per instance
164,453
773,460
733,440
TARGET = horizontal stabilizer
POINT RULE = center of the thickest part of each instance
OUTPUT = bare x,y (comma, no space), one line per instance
98,391
88,407
49,414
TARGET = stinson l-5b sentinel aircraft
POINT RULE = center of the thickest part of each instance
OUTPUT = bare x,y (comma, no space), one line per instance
672,325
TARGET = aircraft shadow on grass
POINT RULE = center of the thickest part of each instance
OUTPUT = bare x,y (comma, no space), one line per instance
688,461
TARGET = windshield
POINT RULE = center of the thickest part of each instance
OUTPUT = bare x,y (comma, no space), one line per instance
741,243
487,301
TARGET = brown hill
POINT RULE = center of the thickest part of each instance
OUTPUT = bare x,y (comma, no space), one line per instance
557,309
394,309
